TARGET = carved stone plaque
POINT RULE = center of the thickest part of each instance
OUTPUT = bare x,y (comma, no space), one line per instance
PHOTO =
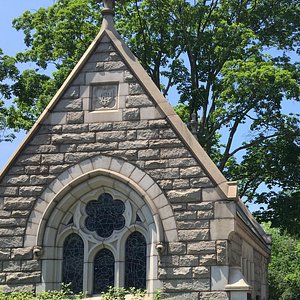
104,97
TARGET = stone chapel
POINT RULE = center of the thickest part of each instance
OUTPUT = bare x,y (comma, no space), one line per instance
110,188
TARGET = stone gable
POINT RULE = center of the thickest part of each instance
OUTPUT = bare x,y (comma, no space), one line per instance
109,130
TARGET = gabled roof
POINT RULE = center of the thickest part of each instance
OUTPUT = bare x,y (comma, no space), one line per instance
228,189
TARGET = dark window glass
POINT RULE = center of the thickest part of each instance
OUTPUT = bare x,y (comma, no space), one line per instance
105,215
73,252
135,261
104,271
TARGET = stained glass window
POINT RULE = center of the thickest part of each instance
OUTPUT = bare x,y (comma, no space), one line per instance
104,271
73,251
105,215
135,261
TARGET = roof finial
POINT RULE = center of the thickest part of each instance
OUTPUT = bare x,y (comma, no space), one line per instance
108,13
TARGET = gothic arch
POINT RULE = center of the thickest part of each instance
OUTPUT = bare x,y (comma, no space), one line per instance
47,225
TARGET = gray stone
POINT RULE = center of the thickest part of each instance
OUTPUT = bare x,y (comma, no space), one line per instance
165,184
9,191
111,136
100,127
76,157
201,247
138,101
193,224
40,179
4,254
154,164
188,260
222,253
145,134
184,195
12,231
128,77
191,172
106,56
180,296
164,143
41,149
187,285
126,125
131,135
148,154
160,124
29,159
133,144
69,105
173,153
208,259
205,214
135,89
200,206
97,146
112,66
20,213
30,265
21,253
36,169
30,190
75,128
201,182
15,241
16,180
17,288
182,162
131,114
22,277
16,170
70,138
41,139
72,92
45,129
58,168
12,222
75,117
185,215
167,134
52,159
13,203
2,278
201,272
193,235
177,248
181,183
214,295
11,266
178,273
166,173
68,148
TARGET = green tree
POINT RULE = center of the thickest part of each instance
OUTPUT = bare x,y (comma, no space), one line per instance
8,72
213,52
283,212
284,268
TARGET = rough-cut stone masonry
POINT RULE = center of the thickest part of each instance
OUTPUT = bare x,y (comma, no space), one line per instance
136,131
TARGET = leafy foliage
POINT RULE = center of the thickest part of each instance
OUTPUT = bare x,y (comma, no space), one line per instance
215,54
284,269
283,212
63,294
114,293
